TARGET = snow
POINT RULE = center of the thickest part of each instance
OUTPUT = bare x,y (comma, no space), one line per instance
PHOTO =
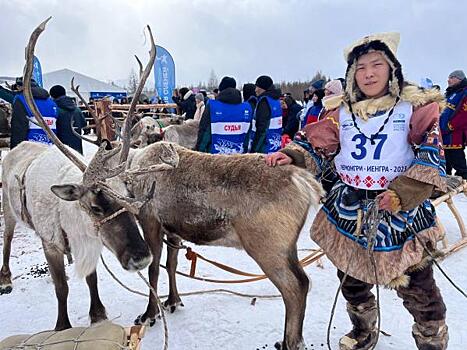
217,320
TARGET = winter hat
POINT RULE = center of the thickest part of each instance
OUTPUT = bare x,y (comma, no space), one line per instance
264,82
248,91
227,82
318,84
199,96
57,91
386,44
334,86
459,74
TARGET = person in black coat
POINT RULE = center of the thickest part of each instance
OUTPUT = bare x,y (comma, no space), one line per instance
249,94
68,112
186,102
264,87
293,123
227,94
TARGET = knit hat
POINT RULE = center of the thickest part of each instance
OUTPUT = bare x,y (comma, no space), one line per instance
264,82
459,74
57,91
318,84
334,86
248,90
386,44
227,82
199,96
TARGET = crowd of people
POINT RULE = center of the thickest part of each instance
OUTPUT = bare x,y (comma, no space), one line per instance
59,111
372,138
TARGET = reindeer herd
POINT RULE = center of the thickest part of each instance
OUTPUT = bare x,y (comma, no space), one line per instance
225,200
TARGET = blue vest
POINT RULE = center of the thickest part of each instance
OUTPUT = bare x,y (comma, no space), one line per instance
49,111
451,105
274,132
229,126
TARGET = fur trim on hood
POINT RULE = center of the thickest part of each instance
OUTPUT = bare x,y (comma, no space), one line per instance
187,95
363,109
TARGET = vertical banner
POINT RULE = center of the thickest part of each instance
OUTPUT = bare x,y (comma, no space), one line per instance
164,74
37,71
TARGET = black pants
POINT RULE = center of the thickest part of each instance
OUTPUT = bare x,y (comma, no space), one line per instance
421,297
455,159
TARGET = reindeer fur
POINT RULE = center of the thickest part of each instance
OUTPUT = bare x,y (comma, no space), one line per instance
234,201
50,216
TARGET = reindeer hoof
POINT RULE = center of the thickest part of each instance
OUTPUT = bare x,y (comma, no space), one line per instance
6,289
143,320
281,346
171,307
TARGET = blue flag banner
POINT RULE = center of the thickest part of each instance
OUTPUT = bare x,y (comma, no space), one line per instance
37,71
164,74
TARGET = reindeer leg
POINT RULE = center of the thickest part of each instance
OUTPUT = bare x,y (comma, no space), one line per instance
97,310
56,263
173,301
152,235
276,254
5,273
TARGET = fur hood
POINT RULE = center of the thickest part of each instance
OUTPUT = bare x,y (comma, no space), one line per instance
410,93
187,95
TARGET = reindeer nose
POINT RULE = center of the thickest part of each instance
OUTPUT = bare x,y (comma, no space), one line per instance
136,264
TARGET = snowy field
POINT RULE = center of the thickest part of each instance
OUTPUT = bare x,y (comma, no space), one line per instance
217,320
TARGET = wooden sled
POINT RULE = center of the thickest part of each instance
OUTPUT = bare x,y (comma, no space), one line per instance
101,336
455,186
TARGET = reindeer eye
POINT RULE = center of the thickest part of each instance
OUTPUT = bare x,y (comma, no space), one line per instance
97,210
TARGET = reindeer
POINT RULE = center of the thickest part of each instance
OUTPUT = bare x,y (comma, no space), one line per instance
233,201
71,208
185,134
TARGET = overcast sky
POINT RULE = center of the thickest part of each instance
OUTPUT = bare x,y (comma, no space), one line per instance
288,39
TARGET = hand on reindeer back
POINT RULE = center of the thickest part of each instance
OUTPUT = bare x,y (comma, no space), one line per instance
278,158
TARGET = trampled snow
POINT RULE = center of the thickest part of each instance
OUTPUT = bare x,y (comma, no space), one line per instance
220,320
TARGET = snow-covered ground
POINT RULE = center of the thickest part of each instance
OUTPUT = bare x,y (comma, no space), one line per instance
218,320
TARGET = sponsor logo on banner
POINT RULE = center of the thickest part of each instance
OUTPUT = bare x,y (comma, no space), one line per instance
164,74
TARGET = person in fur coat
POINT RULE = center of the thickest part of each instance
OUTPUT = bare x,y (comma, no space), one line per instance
382,138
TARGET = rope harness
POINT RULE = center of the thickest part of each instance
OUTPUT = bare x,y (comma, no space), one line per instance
367,222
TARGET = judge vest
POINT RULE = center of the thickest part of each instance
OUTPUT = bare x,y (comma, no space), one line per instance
49,111
362,164
273,139
229,126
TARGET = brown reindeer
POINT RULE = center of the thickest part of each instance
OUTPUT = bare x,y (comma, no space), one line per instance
233,201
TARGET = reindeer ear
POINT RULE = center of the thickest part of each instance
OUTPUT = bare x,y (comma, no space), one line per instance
68,192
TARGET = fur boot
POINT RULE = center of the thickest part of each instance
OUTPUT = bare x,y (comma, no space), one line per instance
431,335
364,332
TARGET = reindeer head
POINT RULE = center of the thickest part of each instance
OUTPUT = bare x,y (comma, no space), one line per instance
106,219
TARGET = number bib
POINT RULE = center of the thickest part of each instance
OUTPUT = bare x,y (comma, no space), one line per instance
369,166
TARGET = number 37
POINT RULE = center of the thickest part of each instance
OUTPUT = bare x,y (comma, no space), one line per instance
361,149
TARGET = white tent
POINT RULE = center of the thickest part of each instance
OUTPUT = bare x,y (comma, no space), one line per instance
88,86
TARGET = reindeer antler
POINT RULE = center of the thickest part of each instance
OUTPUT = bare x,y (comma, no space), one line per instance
126,132
78,135
140,66
91,111
28,68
